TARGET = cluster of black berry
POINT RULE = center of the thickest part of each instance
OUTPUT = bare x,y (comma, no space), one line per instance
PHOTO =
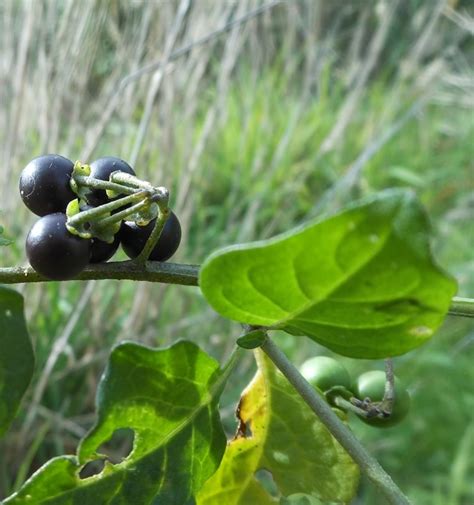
55,252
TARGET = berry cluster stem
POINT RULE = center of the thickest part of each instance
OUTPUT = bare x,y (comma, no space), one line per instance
344,404
96,213
129,181
93,183
389,394
154,236
119,216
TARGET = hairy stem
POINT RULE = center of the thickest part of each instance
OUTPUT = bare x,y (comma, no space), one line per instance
368,464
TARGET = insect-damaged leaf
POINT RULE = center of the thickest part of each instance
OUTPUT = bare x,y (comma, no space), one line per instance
169,398
278,432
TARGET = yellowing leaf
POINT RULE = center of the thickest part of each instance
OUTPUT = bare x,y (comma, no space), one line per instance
278,432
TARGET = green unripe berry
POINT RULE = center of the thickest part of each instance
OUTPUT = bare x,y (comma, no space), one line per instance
324,373
372,385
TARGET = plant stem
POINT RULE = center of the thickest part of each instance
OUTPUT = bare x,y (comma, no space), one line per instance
389,393
155,271
129,180
154,236
119,216
462,307
368,464
86,216
344,404
92,182
152,271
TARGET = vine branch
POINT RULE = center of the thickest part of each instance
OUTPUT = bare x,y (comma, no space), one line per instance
462,307
166,273
151,271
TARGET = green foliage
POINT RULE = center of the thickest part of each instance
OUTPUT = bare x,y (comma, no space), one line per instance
16,356
361,283
252,339
169,399
258,174
286,439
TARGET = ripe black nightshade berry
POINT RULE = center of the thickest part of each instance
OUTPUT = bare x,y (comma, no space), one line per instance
54,252
134,237
101,169
102,251
44,184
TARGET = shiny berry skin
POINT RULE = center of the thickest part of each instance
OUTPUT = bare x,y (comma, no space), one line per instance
102,251
134,237
101,169
372,385
45,184
324,373
54,252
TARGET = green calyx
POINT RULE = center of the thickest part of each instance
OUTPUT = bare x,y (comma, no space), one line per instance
80,170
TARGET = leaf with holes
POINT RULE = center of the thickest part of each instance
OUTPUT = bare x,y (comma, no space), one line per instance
169,398
288,441
362,282
16,356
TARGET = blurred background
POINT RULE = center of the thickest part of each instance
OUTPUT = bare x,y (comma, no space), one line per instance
292,114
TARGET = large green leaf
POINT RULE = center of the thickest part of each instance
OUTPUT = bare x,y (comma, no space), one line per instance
286,439
361,282
169,398
16,356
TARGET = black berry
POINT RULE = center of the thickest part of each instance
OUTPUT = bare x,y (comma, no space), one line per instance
44,184
134,237
102,251
54,252
101,169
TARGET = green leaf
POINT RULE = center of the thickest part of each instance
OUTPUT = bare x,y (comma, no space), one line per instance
286,439
169,398
252,339
16,356
362,282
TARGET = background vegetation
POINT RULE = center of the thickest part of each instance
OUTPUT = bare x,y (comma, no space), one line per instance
291,115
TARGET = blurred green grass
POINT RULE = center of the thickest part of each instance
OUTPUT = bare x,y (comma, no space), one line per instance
242,156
